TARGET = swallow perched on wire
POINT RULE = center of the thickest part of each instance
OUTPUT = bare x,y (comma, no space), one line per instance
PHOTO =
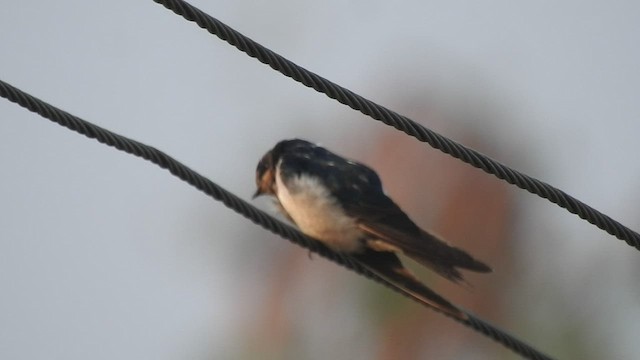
341,203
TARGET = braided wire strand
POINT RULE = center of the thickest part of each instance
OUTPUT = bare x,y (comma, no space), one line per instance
235,203
402,123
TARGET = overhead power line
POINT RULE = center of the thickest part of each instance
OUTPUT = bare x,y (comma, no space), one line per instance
402,123
235,203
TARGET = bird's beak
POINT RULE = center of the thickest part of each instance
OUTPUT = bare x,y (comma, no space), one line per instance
257,193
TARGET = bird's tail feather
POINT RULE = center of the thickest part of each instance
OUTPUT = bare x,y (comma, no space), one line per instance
445,259
388,266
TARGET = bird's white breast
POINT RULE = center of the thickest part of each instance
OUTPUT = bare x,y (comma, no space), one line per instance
317,213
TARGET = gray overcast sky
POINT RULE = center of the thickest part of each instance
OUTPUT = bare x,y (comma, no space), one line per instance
105,256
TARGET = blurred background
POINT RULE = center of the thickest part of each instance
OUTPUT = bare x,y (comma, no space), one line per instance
103,255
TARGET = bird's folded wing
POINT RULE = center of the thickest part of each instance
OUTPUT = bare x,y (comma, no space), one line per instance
391,229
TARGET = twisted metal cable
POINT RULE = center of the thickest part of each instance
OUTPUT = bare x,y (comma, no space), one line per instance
233,202
402,123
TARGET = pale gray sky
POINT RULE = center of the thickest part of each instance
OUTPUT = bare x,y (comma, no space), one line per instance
104,256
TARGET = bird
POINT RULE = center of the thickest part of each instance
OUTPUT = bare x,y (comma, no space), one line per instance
341,203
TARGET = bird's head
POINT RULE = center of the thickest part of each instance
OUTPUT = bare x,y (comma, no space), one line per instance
266,169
